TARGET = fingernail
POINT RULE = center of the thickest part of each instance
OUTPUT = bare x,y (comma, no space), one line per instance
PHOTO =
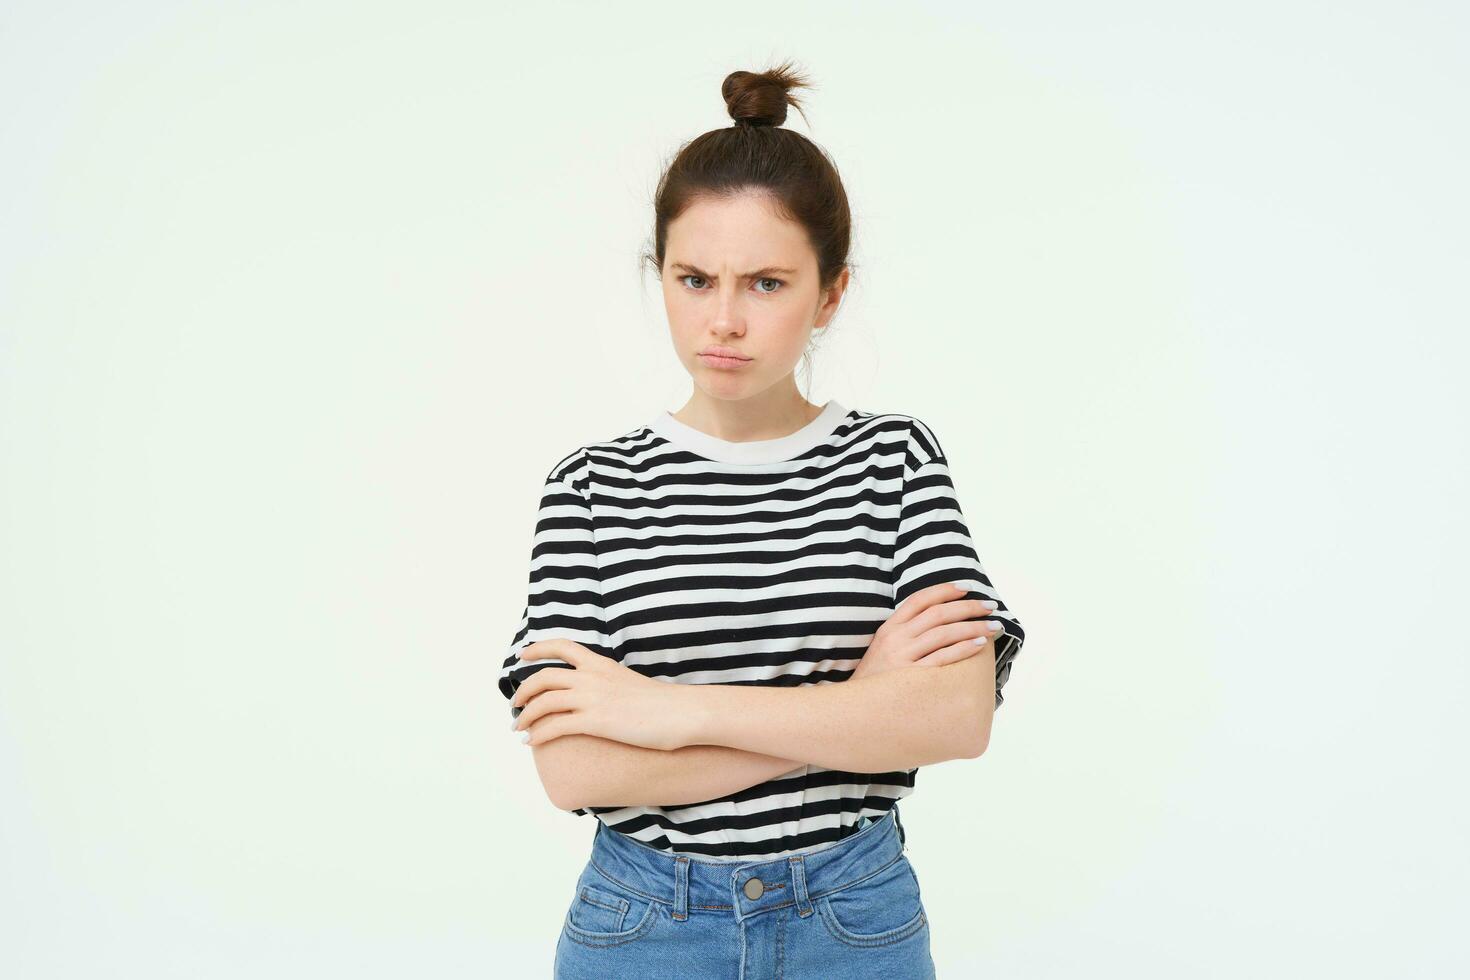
980,640
990,604
959,586
994,627
525,737
513,723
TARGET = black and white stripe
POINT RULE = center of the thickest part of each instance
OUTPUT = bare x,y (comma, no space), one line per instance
700,561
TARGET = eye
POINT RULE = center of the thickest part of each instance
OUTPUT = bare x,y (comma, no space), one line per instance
777,283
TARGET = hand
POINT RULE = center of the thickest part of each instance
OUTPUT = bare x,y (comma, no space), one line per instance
929,628
596,696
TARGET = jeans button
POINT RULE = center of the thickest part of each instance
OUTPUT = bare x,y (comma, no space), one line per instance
754,889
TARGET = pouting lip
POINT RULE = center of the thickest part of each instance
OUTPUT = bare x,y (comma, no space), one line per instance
723,352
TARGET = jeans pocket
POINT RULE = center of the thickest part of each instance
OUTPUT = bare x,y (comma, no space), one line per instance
604,913
879,909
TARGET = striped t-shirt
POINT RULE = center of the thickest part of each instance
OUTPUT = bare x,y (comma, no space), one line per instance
697,560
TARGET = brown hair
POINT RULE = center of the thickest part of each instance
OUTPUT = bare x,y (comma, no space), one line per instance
755,154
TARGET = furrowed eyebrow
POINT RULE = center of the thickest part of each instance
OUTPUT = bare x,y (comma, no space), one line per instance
768,270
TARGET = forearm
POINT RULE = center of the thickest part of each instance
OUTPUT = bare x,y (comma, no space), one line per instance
899,719
586,770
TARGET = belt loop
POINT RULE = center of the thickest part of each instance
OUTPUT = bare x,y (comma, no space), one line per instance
902,838
681,888
798,879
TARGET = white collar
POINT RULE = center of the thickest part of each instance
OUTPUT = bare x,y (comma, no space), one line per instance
756,451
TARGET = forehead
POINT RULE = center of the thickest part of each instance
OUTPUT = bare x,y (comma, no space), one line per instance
743,231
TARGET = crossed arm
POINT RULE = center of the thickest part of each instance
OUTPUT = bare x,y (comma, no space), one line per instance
741,736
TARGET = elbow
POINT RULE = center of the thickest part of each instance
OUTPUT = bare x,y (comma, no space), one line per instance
582,771
968,691
564,796
973,747
561,776
976,725
976,746
571,804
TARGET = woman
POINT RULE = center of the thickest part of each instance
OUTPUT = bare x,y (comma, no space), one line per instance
739,597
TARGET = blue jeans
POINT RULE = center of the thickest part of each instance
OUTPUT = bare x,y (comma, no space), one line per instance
843,911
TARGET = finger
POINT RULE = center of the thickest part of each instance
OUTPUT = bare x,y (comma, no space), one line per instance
555,649
539,707
553,726
924,598
974,632
543,680
954,653
954,611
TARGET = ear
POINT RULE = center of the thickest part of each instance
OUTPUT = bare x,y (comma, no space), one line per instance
832,299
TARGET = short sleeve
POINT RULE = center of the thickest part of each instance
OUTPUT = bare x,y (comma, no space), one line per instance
564,589
934,546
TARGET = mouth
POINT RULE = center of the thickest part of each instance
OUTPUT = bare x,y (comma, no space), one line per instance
722,359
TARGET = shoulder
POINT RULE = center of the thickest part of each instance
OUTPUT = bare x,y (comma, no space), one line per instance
920,441
569,469
581,467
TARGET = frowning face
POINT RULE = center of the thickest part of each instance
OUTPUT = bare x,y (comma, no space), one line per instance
742,294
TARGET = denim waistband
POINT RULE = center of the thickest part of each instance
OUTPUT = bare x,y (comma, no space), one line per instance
721,885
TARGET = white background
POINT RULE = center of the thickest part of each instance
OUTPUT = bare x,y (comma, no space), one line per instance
299,302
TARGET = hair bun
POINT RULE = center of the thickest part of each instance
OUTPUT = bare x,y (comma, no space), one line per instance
761,98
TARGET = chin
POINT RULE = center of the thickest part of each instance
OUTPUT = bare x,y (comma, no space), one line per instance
722,385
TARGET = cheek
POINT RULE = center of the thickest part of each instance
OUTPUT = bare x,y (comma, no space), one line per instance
788,329
684,319
671,298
